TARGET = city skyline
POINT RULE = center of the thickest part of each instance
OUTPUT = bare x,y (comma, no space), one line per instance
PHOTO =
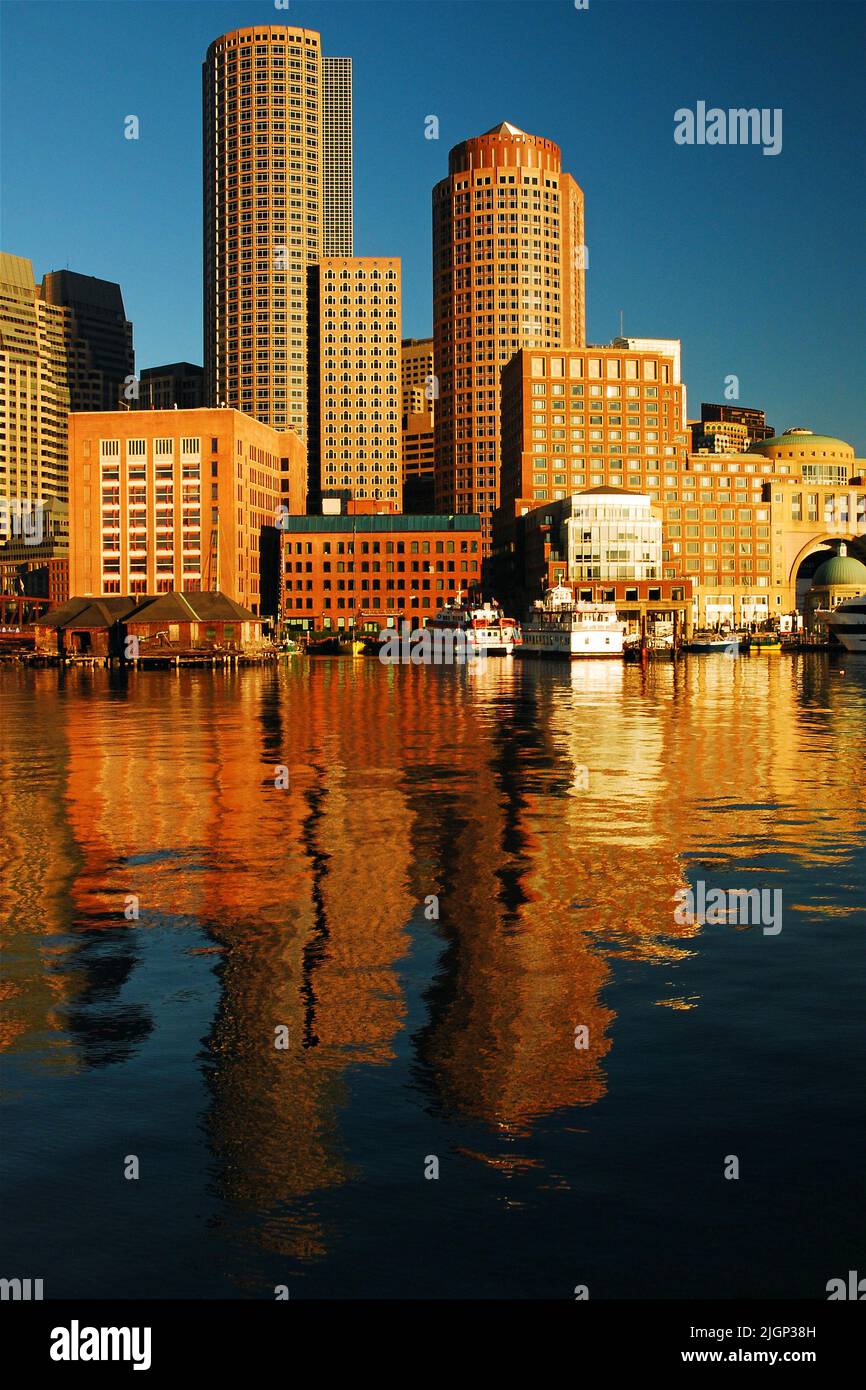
714,289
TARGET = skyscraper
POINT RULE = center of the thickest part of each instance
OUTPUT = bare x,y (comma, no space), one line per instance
64,345
337,219
100,357
268,192
355,393
508,272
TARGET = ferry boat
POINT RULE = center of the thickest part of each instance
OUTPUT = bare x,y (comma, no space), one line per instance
557,626
483,625
847,623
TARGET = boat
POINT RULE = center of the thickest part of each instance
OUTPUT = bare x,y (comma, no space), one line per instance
847,623
762,642
323,645
710,643
484,626
558,626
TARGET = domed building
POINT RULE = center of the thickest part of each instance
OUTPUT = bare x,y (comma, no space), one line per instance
823,458
840,576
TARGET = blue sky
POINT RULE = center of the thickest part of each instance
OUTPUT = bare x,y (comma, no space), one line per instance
755,262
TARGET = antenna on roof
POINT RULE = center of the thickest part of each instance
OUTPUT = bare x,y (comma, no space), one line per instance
621,334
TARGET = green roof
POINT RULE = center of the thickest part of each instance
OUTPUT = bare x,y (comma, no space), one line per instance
800,441
839,569
379,523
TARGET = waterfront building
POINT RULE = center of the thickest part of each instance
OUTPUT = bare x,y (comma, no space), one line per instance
840,576
187,500
376,570
583,418
161,625
742,528
508,272
178,384
277,121
354,380
605,544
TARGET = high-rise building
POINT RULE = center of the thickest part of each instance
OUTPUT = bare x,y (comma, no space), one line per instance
34,402
268,191
100,357
164,500
337,214
65,344
508,272
178,384
354,412
420,387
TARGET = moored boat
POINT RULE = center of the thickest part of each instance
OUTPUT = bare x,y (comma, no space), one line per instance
762,642
847,623
558,626
712,643
484,627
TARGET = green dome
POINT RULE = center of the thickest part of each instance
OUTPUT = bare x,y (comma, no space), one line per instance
840,569
802,440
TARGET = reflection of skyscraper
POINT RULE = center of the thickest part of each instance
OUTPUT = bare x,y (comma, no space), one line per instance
277,196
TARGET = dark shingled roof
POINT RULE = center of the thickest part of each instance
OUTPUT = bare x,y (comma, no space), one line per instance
205,607
87,612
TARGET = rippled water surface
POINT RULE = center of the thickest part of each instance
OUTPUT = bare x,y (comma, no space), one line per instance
553,813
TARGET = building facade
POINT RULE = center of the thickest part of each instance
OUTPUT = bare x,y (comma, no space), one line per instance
64,344
337,199
269,191
178,384
420,386
100,357
375,571
508,272
738,527
191,500
354,412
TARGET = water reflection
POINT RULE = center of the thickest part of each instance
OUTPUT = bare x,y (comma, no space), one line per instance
552,812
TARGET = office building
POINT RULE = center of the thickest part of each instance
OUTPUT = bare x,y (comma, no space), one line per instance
269,103
508,272
180,500
354,378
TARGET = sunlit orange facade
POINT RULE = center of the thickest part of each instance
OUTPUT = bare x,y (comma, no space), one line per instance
508,272
166,500
277,125
355,438
736,526
345,571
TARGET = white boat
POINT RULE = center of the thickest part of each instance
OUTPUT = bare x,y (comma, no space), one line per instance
557,626
483,625
847,622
